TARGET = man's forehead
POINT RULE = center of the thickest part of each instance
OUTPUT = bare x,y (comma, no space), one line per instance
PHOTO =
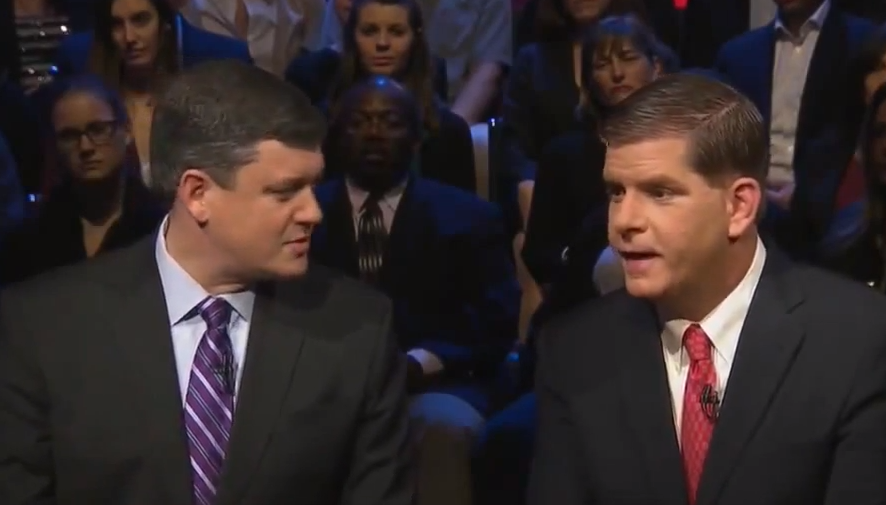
647,159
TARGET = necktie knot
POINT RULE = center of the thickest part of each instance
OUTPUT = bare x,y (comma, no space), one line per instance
697,343
216,313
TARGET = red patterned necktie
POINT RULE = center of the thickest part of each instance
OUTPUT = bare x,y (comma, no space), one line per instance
696,426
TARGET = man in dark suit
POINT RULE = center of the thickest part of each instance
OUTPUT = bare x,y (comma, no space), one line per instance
796,71
723,374
441,254
207,364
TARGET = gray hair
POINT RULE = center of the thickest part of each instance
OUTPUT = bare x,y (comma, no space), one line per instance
212,116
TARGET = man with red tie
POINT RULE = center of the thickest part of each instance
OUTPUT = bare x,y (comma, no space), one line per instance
722,374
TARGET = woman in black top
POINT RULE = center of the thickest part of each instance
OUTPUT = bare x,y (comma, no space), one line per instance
100,205
386,37
621,55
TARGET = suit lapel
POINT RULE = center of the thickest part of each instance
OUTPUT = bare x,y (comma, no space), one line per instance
647,399
275,343
829,49
146,351
766,47
341,236
768,344
403,232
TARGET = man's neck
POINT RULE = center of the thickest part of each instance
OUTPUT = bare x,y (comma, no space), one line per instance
189,247
696,301
794,21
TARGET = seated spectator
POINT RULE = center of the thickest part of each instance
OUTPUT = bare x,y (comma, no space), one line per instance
276,32
99,206
544,87
619,56
473,37
386,37
442,256
133,46
795,71
852,243
315,72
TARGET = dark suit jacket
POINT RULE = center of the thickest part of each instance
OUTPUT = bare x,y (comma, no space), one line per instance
314,72
197,46
802,420
54,237
830,97
568,187
447,267
92,413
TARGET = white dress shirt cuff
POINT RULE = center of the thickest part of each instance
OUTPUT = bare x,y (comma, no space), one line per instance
430,363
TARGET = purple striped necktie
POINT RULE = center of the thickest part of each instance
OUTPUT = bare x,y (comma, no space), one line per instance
209,403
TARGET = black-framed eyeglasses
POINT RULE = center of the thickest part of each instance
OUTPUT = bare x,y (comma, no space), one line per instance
98,132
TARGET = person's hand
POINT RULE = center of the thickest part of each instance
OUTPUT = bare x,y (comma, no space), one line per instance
781,196
415,375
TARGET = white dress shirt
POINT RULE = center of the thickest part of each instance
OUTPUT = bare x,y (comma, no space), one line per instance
429,362
723,326
183,294
793,54
277,29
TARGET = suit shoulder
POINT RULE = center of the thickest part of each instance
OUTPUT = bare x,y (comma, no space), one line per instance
346,295
325,190
459,201
568,330
66,284
735,46
855,300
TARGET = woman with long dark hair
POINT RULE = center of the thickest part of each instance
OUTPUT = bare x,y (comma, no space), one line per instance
134,46
387,37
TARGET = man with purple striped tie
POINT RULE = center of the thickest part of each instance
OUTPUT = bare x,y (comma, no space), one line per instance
208,365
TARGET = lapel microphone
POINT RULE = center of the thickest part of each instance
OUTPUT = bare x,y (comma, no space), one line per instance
710,403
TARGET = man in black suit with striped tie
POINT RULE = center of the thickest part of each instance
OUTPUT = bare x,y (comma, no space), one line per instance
441,254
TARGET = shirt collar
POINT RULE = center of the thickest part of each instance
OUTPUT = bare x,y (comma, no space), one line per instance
183,294
815,22
723,324
359,195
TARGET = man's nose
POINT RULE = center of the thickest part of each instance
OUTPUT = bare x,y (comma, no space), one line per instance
312,214
626,216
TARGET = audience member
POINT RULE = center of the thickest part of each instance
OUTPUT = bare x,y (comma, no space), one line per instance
795,71
315,72
544,86
386,37
442,255
619,56
136,45
100,204
475,40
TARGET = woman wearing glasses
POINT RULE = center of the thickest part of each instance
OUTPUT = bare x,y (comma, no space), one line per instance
100,204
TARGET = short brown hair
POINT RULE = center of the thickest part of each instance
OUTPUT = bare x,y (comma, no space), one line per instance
726,133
